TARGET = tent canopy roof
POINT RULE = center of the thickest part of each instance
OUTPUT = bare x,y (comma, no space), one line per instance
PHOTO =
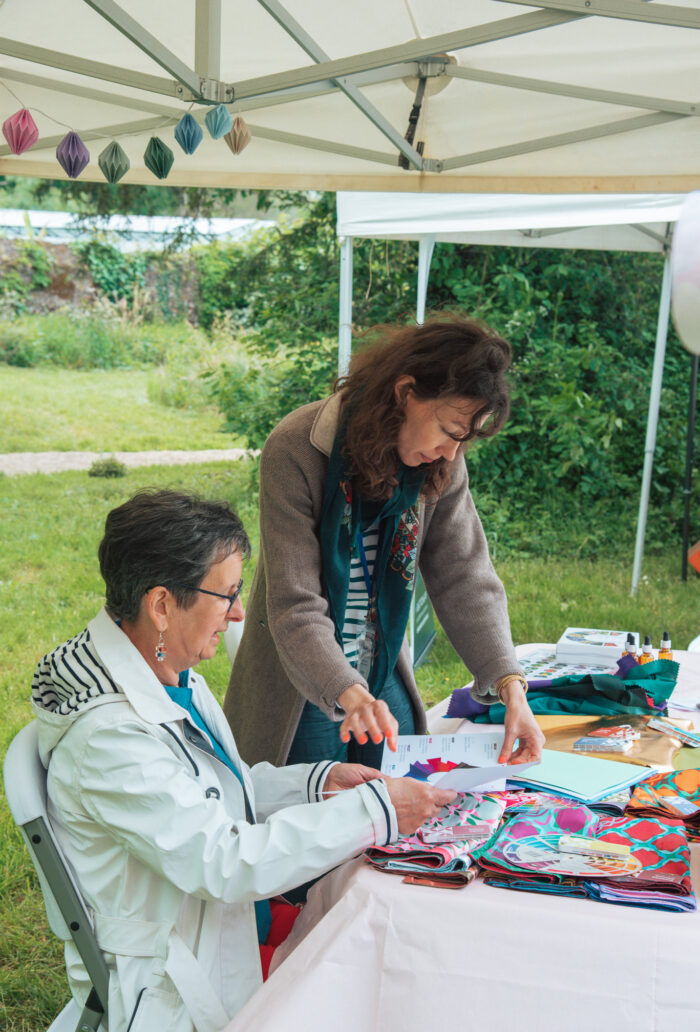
568,96
636,222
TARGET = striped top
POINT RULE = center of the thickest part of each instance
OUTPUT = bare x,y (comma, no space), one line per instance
358,599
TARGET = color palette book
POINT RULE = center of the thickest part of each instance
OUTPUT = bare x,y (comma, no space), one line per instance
586,644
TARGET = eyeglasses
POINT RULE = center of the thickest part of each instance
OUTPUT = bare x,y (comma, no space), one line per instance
231,599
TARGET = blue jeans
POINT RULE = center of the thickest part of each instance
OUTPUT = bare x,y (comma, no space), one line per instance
318,738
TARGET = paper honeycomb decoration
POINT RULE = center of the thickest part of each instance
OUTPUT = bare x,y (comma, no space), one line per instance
20,130
158,157
188,134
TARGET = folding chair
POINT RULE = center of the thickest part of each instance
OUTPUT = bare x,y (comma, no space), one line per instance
25,788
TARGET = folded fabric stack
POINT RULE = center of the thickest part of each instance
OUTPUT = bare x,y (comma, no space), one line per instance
447,860
634,688
525,855
518,799
661,846
676,794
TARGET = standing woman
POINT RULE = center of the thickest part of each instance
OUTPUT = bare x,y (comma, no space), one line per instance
356,493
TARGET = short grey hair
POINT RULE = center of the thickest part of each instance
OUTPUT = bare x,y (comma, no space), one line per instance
165,538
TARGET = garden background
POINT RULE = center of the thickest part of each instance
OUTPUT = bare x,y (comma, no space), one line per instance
208,345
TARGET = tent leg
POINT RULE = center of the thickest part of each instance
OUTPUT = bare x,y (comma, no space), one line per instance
345,307
425,256
692,403
653,419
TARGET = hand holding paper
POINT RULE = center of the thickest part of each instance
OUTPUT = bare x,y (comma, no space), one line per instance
416,802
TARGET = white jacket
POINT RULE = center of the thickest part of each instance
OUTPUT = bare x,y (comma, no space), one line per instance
155,828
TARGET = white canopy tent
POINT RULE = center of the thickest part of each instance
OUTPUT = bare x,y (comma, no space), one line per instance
641,222
562,96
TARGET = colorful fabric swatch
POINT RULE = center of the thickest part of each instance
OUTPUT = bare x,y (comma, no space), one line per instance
524,855
412,854
676,794
662,848
524,799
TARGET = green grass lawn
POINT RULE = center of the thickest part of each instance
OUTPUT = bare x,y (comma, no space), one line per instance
50,587
50,409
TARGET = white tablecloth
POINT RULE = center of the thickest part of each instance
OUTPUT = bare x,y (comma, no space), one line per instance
371,953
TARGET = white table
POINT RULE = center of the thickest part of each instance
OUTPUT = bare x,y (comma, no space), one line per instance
372,953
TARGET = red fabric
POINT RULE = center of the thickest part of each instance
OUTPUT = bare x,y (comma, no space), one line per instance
283,916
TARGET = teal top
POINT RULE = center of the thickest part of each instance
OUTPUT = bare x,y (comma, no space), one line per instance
182,696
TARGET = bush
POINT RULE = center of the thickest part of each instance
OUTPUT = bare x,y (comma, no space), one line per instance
30,270
185,379
255,390
107,467
84,340
115,274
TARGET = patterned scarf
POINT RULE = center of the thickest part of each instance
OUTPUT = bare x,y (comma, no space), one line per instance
344,516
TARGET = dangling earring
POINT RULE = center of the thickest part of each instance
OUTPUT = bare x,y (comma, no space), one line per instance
161,648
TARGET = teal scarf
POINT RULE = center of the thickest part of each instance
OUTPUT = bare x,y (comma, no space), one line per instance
345,515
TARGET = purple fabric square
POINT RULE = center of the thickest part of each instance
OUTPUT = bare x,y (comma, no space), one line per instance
463,705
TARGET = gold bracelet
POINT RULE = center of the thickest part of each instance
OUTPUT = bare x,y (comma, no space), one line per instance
502,683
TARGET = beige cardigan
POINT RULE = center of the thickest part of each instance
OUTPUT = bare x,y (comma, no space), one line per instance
289,652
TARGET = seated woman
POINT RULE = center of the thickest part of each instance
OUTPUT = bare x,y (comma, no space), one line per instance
176,844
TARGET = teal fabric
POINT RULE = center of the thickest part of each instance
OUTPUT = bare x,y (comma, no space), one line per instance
344,515
318,738
181,694
645,689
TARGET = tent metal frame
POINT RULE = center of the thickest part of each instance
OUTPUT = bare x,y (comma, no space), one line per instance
202,85
426,242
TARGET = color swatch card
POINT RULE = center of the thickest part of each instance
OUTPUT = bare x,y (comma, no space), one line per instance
543,665
461,762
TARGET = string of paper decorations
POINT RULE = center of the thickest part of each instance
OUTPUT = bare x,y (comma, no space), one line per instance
21,132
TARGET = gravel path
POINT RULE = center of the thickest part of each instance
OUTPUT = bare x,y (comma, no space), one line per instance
56,462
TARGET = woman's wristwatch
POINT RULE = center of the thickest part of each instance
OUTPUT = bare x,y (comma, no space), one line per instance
502,682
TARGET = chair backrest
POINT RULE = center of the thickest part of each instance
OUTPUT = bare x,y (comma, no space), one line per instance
25,788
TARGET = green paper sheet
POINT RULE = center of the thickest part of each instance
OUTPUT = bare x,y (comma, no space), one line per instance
585,778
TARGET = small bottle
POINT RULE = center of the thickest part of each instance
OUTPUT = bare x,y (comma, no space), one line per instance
647,655
665,647
629,649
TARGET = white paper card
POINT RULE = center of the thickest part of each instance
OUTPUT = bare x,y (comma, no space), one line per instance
462,779
479,750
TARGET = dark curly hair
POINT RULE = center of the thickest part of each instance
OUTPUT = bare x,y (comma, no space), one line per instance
448,357
164,538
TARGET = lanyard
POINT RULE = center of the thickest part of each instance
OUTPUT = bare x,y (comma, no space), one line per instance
369,581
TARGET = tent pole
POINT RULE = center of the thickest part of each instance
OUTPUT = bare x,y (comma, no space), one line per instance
690,444
425,256
653,418
345,306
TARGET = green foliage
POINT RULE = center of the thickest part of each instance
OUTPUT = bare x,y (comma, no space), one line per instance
116,274
255,393
107,467
184,379
85,340
582,326
282,285
29,271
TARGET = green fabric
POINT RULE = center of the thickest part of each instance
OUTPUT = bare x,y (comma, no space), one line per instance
645,689
345,515
686,758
